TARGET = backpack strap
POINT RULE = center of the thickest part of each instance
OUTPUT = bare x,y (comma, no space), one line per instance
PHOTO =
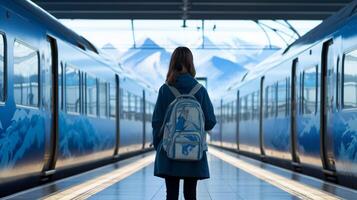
195,89
173,90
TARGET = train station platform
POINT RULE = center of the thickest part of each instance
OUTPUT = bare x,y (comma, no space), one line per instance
232,177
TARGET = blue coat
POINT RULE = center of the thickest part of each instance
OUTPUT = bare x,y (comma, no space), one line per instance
164,166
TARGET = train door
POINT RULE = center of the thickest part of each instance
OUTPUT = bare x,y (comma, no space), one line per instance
261,131
294,154
50,102
221,124
237,120
117,115
144,119
327,97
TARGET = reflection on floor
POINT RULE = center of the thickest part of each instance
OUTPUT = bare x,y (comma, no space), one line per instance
232,177
227,182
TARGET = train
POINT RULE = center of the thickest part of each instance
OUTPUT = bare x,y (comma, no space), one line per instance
298,108
65,107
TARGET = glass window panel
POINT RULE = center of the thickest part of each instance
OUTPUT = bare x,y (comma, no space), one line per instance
72,90
91,95
112,100
103,99
267,102
233,110
60,86
46,73
350,80
288,97
26,68
310,90
121,103
256,105
242,108
2,74
272,100
282,98
249,106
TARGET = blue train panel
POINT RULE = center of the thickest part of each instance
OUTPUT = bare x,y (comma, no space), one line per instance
83,139
229,121
249,123
276,133
215,134
23,120
131,116
308,128
344,117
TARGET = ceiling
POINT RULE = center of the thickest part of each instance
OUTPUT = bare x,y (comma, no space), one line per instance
192,9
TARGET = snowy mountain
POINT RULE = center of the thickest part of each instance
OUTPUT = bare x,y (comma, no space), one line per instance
223,67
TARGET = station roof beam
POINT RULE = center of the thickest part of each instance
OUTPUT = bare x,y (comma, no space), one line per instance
193,9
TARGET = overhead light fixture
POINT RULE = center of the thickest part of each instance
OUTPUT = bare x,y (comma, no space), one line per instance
184,23
185,8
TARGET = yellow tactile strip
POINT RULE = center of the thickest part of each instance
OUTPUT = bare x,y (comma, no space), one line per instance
295,188
93,186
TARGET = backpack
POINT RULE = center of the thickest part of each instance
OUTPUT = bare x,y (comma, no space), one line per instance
184,137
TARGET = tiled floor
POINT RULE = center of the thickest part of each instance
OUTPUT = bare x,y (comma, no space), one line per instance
226,183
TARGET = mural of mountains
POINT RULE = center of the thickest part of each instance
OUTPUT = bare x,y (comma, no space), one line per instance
222,67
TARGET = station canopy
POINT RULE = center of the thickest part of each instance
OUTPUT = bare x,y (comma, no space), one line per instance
193,9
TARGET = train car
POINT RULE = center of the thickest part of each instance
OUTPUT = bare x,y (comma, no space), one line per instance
64,107
214,136
307,105
228,121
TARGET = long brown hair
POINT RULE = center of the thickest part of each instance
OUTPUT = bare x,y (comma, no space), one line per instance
180,58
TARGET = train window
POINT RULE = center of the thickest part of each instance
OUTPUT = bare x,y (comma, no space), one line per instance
139,108
60,86
112,100
91,96
255,105
121,103
227,107
125,104
223,110
272,100
228,112
2,68
233,110
282,98
249,106
266,102
103,99
129,103
350,80
299,92
288,97
242,108
26,75
72,90
148,111
309,94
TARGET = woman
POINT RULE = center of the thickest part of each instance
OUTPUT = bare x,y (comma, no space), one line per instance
181,76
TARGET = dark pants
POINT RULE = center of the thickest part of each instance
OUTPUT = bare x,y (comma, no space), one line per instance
173,186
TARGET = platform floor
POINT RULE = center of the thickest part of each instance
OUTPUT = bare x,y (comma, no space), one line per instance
232,177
